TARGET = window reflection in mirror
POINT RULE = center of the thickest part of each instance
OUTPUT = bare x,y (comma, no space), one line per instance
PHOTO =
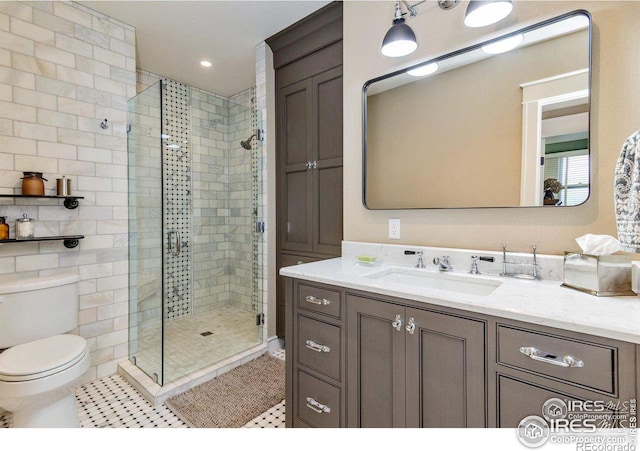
484,130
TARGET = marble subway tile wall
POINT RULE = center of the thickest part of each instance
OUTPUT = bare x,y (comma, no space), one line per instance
63,69
210,173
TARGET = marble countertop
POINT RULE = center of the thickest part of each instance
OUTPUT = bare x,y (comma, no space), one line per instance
542,302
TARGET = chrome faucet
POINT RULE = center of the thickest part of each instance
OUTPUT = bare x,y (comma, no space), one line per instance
420,263
443,263
474,265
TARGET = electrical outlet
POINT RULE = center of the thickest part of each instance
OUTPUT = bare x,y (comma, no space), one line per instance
394,229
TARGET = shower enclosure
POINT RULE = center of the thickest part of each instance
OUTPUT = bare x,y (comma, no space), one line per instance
194,235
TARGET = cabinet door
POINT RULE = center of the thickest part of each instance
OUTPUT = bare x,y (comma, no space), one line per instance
327,151
295,130
376,364
445,371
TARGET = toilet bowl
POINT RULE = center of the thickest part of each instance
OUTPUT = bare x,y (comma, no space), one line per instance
41,366
38,381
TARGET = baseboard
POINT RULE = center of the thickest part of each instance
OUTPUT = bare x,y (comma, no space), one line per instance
274,343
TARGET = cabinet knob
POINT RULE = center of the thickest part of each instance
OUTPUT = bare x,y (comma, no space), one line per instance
411,326
397,324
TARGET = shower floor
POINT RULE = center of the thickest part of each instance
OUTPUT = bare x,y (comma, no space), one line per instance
232,330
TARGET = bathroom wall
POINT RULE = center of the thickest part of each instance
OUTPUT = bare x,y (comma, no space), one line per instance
615,116
63,69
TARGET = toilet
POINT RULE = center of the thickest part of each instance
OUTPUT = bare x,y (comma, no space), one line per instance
41,364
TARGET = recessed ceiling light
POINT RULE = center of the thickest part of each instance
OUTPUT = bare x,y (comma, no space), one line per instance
205,63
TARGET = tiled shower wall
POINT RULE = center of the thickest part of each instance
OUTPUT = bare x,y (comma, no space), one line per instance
65,68
222,221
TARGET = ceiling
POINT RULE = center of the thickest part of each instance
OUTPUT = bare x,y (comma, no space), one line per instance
172,37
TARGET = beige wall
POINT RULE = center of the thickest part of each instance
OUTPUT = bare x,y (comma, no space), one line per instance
615,115
455,139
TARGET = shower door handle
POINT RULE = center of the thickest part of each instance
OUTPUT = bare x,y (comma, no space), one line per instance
174,244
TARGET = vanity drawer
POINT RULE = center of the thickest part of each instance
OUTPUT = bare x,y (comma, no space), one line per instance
318,402
319,346
554,354
319,300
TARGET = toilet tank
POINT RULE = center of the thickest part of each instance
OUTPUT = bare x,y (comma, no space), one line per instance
37,307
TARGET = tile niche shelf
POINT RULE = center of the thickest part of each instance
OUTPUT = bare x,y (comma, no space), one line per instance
70,202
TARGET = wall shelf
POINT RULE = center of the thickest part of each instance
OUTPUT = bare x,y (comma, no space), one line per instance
70,202
70,241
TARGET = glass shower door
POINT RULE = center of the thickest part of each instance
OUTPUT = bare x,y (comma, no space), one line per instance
146,231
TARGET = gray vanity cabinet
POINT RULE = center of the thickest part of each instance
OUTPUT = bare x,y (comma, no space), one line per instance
367,360
410,367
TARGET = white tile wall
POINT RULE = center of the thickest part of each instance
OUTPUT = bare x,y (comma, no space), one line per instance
63,69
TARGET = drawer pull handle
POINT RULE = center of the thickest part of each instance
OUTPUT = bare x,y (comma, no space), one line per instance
317,407
315,300
316,347
567,361
397,324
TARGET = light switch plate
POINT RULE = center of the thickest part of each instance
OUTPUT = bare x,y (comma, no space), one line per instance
394,228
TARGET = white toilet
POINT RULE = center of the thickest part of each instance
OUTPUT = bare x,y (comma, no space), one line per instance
41,368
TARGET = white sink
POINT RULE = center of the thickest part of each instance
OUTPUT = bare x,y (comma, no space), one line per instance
471,284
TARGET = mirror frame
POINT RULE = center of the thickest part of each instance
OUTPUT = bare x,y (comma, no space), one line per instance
465,50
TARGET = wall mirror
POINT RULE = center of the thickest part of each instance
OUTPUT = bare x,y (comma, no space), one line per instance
504,123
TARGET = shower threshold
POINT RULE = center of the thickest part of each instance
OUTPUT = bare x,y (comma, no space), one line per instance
157,394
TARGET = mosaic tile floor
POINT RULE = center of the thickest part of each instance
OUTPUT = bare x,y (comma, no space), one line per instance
111,402
232,330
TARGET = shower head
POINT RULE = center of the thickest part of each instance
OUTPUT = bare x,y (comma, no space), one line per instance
247,144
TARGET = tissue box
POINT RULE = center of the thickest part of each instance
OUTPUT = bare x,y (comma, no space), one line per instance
600,275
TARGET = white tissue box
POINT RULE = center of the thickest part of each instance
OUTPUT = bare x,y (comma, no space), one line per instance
600,275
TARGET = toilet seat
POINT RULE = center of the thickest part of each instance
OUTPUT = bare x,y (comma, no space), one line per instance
41,358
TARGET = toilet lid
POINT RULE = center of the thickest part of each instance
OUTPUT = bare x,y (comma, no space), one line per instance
41,358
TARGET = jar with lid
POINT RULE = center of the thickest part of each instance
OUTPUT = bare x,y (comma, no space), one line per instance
4,228
25,228
33,183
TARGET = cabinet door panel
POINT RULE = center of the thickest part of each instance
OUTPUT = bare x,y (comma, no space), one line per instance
445,371
295,102
328,101
328,230
376,373
296,231
518,399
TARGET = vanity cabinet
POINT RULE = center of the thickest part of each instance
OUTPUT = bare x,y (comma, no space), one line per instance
410,367
367,360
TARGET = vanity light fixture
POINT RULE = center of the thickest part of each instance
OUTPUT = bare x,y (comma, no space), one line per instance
424,70
205,63
400,40
481,13
503,45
